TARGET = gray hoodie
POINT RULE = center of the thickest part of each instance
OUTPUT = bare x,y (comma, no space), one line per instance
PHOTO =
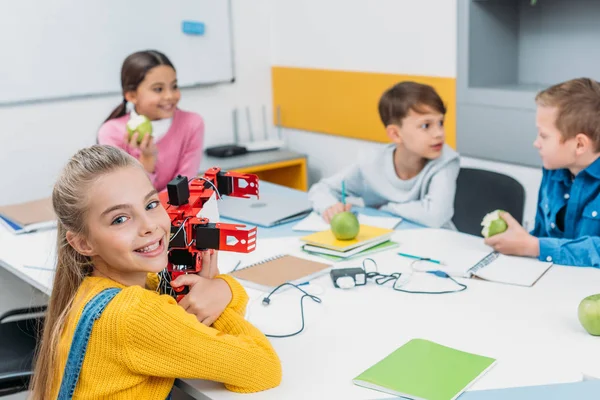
427,198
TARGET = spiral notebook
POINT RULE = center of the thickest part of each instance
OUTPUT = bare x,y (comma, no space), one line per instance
269,273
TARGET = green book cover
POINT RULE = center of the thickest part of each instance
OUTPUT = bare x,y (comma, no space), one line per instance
375,249
425,370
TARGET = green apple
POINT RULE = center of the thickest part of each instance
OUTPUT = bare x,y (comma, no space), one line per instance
589,314
493,224
345,226
140,124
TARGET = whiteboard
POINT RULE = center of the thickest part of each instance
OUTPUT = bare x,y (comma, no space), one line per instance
52,49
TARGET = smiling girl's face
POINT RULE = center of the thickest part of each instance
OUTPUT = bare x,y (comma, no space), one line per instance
157,95
127,227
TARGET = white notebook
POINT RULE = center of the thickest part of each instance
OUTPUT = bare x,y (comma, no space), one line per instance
467,256
520,271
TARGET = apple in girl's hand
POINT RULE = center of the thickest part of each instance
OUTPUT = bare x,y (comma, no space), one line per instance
493,224
589,314
140,124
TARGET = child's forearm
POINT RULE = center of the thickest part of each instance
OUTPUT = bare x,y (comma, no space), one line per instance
580,252
322,197
239,297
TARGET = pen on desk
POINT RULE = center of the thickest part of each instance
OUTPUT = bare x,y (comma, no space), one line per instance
236,266
431,260
344,192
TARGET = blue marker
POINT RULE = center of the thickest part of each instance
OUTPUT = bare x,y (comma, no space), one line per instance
431,260
343,192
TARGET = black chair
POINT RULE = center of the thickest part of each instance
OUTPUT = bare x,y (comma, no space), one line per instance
20,331
479,192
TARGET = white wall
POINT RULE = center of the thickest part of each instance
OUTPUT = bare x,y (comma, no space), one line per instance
415,37
36,140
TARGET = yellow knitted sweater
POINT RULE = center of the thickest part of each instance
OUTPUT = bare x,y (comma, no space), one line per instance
143,341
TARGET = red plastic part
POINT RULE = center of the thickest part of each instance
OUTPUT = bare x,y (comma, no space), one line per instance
232,237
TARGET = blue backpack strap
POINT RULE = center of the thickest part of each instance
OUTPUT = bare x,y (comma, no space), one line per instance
91,312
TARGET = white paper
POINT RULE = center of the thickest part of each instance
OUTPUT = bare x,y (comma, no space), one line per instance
315,223
312,223
210,210
380,222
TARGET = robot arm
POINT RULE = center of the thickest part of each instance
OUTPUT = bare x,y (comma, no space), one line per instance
190,234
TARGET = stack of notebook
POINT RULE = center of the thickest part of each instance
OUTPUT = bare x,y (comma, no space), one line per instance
28,217
370,239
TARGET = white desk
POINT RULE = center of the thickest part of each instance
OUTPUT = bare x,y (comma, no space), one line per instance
533,332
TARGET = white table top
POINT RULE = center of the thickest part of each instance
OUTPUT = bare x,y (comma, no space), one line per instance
533,332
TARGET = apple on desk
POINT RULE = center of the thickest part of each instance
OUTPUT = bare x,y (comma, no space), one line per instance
589,314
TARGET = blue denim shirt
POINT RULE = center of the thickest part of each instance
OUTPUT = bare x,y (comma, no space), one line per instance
579,243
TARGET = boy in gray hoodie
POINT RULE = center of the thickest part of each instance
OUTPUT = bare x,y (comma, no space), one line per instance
414,177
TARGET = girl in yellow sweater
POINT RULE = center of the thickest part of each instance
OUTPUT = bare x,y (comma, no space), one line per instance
108,333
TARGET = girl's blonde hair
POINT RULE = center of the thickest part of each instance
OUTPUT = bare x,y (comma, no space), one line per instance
69,202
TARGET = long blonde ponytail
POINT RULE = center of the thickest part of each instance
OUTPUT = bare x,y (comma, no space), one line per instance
69,202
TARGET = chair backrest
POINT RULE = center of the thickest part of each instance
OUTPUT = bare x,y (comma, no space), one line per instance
479,192
18,342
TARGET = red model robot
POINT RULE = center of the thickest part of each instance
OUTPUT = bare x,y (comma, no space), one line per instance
191,234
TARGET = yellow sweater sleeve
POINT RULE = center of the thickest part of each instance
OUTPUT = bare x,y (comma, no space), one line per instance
161,339
239,297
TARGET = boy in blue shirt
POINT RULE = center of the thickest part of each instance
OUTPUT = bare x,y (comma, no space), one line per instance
567,224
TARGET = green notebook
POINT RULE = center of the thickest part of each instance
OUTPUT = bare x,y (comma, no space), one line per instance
424,370
371,250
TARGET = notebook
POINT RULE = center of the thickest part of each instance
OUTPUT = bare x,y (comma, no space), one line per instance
466,256
28,217
315,223
425,370
519,271
267,274
367,234
360,251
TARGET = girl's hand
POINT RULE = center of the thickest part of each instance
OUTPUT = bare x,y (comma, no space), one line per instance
210,267
148,150
208,297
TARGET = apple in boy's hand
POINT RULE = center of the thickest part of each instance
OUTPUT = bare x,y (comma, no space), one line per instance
493,224
345,226
140,124
589,314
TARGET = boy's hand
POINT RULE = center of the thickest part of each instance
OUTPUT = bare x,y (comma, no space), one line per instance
207,298
148,150
515,240
335,209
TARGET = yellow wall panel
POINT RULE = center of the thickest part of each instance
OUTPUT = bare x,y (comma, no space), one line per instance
345,103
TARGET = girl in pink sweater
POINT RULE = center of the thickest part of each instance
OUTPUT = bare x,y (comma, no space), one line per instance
149,84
